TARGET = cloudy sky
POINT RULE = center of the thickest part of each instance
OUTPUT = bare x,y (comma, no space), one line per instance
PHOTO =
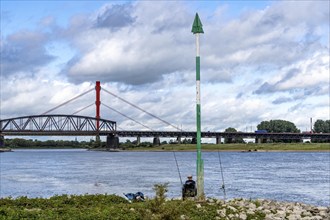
260,60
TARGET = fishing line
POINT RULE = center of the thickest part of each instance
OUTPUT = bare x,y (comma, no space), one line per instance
223,181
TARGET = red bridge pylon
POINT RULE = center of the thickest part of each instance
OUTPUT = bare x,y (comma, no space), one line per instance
98,103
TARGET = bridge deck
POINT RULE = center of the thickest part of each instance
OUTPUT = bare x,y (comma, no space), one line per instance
168,134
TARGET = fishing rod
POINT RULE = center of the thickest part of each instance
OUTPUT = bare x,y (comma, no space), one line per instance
177,166
223,181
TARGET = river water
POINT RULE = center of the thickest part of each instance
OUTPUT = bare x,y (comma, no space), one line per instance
283,176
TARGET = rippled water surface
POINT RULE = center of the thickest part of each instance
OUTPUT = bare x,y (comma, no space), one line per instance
290,176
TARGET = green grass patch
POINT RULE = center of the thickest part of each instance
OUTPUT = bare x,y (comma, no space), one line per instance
115,207
101,207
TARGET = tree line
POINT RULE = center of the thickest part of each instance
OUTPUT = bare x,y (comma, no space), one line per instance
282,126
321,126
29,143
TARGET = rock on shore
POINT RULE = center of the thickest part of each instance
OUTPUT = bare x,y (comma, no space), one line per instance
268,210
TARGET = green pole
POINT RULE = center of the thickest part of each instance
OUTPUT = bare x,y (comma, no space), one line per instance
197,29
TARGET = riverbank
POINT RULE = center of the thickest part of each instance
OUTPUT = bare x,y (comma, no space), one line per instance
250,147
275,147
116,207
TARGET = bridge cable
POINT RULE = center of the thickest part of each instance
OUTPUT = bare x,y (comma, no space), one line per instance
70,100
135,106
223,181
126,116
83,109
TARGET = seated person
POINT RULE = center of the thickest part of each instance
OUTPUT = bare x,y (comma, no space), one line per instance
189,188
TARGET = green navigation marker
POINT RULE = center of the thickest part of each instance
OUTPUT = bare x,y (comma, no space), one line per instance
197,25
197,29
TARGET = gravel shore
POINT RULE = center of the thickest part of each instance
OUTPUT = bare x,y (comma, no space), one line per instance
267,209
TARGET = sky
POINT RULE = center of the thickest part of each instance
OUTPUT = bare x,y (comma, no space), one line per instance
260,61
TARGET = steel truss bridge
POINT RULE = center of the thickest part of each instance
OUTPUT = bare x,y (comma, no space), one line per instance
75,125
56,125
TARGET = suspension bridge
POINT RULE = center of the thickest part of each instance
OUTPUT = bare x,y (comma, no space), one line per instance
47,124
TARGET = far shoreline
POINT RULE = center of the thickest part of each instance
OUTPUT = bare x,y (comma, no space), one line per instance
248,148
207,150
244,148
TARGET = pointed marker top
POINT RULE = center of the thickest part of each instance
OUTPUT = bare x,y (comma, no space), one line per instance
197,26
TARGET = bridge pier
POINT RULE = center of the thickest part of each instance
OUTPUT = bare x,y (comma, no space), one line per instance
179,139
97,142
261,140
218,140
138,140
156,141
2,141
112,141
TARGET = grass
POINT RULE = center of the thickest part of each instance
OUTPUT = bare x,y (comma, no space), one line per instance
99,207
110,207
240,147
115,207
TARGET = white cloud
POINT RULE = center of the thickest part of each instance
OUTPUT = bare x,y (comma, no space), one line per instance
312,72
159,42
271,63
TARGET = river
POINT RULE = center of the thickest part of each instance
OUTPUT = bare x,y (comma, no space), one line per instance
284,176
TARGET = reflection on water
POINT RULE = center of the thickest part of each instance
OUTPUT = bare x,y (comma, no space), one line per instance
290,176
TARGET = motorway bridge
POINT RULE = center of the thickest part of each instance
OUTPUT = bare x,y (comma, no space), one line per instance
75,125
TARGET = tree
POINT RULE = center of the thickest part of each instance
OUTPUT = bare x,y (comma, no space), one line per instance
321,126
232,140
230,129
278,126
186,141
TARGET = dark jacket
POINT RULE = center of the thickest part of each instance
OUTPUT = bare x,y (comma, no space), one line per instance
189,189
190,184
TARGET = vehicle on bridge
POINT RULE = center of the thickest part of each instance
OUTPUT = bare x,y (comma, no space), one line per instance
261,131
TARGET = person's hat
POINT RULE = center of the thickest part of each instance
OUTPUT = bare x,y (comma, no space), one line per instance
189,176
